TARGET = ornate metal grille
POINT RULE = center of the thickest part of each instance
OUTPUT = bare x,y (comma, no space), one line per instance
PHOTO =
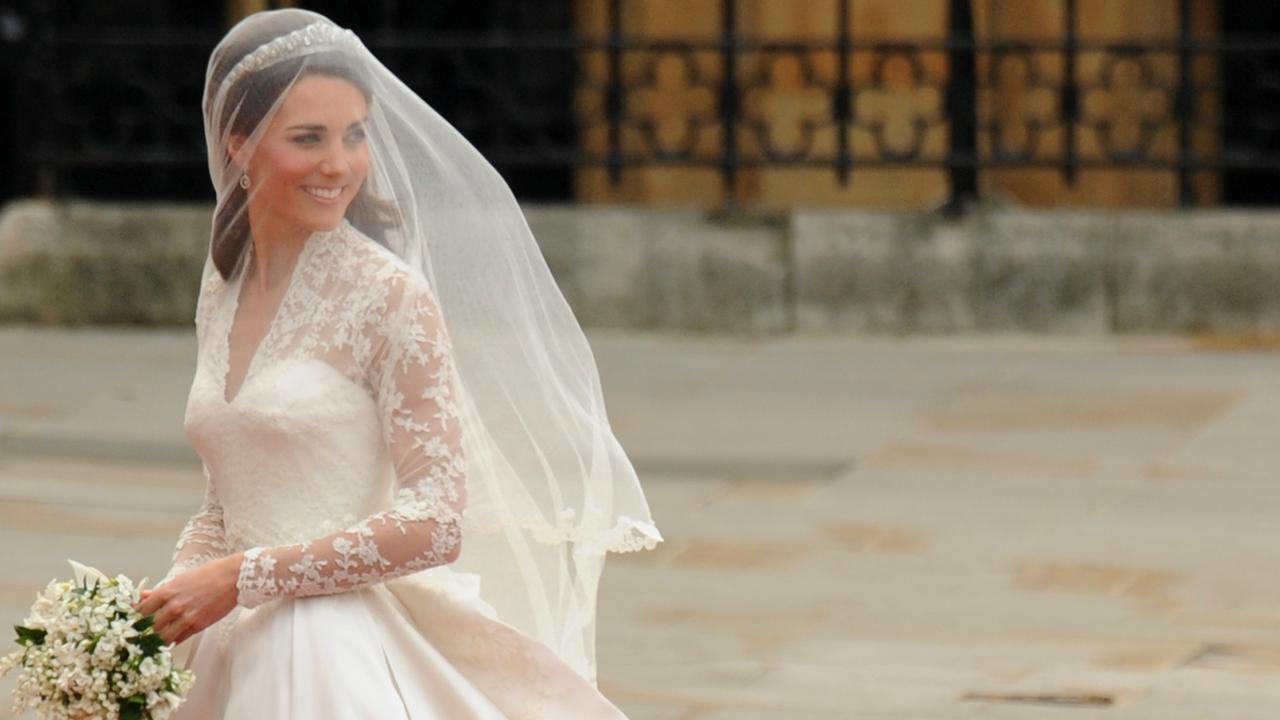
118,113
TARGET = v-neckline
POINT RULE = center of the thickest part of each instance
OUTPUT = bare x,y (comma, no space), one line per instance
234,308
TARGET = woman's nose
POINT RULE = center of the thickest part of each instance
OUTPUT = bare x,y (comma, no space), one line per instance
331,167
336,163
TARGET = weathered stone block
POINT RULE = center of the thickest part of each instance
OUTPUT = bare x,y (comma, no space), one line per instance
1212,272
1039,272
95,263
907,272
665,269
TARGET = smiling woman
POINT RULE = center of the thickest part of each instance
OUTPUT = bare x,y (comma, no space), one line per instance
411,479
306,169
316,144
315,134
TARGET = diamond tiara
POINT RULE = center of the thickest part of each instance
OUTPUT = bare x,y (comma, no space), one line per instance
312,38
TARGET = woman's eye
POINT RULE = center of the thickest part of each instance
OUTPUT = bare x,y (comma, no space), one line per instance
307,139
355,136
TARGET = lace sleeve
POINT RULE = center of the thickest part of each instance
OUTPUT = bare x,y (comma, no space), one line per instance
412,378
203,537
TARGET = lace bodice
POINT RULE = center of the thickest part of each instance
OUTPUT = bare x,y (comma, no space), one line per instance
339,461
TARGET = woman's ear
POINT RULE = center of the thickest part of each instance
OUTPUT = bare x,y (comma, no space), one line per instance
237,148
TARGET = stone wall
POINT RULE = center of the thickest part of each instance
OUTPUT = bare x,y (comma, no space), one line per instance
812,271
81,263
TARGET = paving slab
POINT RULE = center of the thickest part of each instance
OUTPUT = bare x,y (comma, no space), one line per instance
882,529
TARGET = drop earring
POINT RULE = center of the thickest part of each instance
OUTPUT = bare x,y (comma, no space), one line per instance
244,181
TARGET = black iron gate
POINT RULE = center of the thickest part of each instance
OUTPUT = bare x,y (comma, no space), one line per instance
105,96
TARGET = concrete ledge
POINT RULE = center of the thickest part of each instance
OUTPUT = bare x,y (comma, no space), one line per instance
907,273
1213,273
665,270
100,264
817,271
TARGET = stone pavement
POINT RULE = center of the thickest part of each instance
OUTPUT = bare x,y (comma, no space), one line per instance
919,529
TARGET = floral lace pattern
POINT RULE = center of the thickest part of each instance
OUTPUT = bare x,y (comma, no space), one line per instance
389,325
352,305
203,538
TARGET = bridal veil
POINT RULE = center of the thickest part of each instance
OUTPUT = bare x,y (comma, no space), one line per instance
550,490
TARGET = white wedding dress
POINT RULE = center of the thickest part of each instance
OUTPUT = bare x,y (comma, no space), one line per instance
338,468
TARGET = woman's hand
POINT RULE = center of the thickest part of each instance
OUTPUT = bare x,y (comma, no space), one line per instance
194,600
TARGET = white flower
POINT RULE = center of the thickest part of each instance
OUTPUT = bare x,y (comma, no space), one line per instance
86,575
84,655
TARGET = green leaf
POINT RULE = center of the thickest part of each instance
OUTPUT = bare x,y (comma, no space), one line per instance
150,644
30,635
144,623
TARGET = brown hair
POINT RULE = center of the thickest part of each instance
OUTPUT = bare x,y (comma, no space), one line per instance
247,104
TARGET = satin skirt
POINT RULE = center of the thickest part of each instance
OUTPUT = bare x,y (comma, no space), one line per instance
405,649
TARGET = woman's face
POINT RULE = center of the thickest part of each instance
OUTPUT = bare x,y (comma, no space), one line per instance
312,159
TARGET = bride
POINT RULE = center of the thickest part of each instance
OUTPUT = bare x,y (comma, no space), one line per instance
411,480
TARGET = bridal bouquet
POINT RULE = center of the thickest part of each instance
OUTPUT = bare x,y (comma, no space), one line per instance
86,653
